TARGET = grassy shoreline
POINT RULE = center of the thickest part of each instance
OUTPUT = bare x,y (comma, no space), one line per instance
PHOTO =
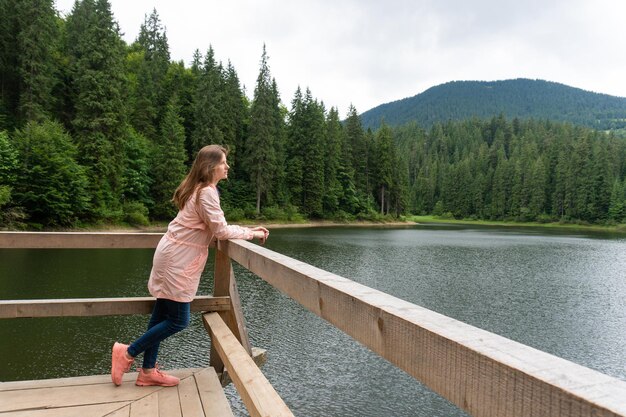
620,228
406,221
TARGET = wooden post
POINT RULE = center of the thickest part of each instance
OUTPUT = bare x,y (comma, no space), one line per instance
225,285
256,392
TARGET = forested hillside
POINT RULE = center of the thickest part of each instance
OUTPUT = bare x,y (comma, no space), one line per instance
93,130
521,98
525,171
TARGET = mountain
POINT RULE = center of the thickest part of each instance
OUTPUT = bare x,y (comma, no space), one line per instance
519,98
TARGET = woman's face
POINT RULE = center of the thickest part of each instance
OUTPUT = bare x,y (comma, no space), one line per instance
220,172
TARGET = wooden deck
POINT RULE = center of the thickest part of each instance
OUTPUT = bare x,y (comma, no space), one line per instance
198,394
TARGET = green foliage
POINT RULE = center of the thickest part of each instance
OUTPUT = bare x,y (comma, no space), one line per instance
37,43
168,162
305,154
282,214
9,160
135,121
136,178
520,98
264,135
524,171
96,59
51,185
135,214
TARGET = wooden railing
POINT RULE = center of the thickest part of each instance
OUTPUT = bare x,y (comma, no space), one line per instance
222,314
481,372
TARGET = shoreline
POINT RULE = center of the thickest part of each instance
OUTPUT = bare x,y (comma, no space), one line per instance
620,228
411,221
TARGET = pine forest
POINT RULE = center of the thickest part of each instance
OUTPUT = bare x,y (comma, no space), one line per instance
96,131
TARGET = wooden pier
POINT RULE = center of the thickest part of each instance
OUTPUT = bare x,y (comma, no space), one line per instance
198,394
482,373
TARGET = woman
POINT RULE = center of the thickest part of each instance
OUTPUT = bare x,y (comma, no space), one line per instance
179,261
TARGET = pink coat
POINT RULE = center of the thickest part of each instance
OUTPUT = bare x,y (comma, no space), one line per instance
182,252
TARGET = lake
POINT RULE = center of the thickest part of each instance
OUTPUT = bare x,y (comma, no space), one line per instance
562,292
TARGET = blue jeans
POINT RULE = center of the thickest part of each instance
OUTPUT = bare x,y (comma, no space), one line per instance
168,317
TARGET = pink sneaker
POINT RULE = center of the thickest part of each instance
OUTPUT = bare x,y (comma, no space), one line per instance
119,362
156,377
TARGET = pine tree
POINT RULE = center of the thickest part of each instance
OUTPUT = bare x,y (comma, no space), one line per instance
348,199
355,136
332,154
313,157
208,120
150,95
538,183
581,175
384,166
260,148
296,137
168,162
136,179
501,187
37,43
9,64
234,114
96,53
181,82
617,204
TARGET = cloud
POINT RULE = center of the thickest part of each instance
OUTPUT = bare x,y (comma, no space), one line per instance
370,52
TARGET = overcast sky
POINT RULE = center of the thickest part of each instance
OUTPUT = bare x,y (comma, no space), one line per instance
368,52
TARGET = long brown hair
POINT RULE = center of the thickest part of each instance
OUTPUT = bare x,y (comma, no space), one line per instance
201,173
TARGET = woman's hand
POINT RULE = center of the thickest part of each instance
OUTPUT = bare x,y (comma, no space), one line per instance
260,233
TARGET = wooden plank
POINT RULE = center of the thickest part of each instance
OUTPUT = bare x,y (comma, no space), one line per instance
78,240
214,401
190,403
226,285
255,390
71,396
78,381
259,356
169,403
122,412
80,411
481,372
147,406
87,307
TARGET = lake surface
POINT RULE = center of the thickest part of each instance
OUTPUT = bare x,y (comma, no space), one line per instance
561,292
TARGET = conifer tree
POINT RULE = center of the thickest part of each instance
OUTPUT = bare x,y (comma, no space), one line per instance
296,137
37,45
181,82
150,95
384,166
9,65
313,157
136,179
355,135
260,147
207,104
234,114
538,183
96,53
332,162
617,207
168,162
